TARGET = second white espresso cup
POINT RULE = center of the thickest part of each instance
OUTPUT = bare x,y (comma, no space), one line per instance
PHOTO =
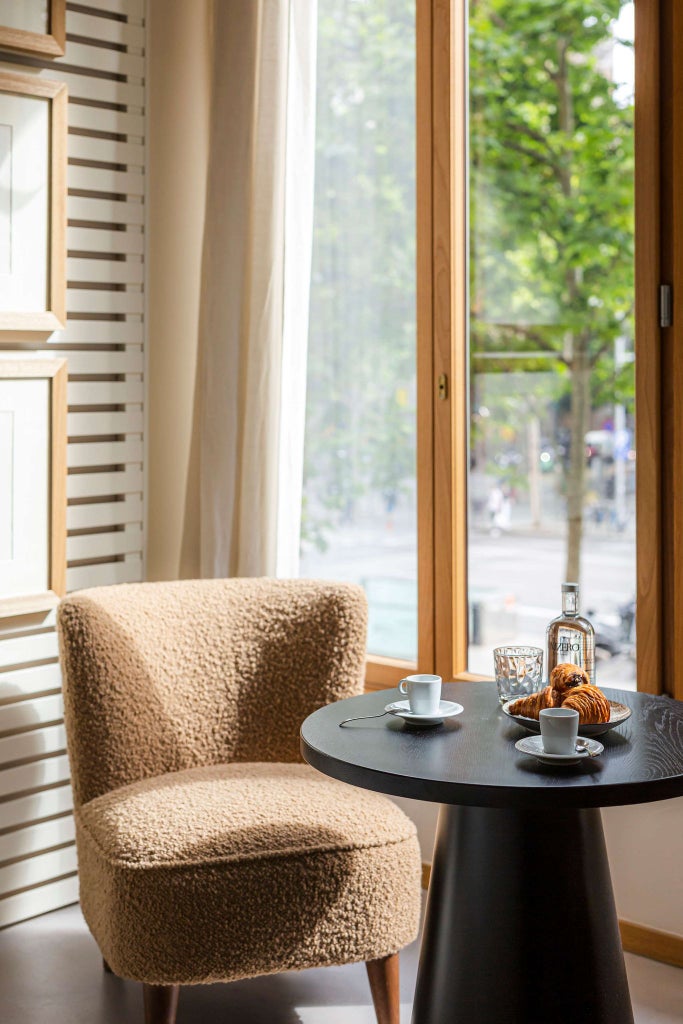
559,729
423,692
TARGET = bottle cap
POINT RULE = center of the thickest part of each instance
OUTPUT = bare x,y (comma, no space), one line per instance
570,588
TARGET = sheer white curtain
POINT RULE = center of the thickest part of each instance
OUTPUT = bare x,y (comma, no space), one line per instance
255,285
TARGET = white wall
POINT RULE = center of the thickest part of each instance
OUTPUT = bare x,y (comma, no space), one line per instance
645,848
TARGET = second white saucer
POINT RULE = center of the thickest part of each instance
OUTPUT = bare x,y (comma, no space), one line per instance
447,709
533,745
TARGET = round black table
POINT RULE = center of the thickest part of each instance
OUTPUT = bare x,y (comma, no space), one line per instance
521,925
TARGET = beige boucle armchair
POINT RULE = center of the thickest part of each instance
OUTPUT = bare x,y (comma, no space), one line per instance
207,851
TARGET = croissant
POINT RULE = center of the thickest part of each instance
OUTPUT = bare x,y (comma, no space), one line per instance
532,705
590,702
566,676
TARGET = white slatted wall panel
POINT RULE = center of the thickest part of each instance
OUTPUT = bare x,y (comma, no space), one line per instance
104,69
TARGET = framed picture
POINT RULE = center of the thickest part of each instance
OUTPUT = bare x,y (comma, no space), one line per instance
32,484
32,203
33,26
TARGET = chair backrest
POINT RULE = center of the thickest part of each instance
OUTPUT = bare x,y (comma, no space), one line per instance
164,676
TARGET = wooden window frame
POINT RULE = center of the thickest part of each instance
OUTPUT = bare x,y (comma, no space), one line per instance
442,347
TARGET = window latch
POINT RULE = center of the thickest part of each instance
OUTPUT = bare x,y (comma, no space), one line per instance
665,305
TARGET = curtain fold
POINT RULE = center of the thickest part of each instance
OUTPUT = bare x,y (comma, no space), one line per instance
255,281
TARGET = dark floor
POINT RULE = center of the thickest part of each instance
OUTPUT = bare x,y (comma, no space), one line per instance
51,973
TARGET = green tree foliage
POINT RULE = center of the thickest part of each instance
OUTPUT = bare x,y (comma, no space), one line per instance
551,234
552,204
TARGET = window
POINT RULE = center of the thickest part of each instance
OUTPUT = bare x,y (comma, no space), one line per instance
359,518
552,468
547,199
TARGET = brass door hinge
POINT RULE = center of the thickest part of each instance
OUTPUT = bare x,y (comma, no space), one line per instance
443,387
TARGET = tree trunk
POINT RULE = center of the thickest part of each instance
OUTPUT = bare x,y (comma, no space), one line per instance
576,473
579,358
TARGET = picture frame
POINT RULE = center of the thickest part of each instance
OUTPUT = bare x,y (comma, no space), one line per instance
33,438
33,140
23,35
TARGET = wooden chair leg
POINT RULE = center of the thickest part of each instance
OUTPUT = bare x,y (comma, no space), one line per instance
161,1003
383,977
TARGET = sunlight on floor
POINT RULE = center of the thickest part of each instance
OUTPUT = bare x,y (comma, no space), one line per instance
344,1014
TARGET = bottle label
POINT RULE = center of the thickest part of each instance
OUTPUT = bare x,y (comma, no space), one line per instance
568,647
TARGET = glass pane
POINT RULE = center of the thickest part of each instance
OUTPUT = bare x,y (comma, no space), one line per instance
552,459
359,511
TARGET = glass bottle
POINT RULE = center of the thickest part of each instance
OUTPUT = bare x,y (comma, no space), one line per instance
570,638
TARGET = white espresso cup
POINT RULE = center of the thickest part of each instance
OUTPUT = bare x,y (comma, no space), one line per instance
423,692
559,729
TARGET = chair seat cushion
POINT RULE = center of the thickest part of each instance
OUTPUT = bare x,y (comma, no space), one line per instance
235,870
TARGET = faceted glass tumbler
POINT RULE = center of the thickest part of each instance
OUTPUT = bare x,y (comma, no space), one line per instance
519,671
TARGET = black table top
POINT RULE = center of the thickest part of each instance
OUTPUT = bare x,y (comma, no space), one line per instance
471,759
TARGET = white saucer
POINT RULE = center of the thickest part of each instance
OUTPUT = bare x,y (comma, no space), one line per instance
447,709
534,745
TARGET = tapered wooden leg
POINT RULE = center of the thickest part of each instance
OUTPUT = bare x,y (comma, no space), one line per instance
161,1003
106,966
383,977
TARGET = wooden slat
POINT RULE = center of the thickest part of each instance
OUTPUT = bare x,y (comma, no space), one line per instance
26,682
38,869
84,86
44,803
100,119
93,485
82,55
105,271
107,30
28,714
26,625
87,147
104,179
104,211
132,9
88,424
25,905
101,363
126,243
101,545
105,392
104,575
26,841
94,301
103,90
38,647
103,453
99,332
33,744
113,513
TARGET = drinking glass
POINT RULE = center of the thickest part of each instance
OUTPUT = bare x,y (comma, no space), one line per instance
519,671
